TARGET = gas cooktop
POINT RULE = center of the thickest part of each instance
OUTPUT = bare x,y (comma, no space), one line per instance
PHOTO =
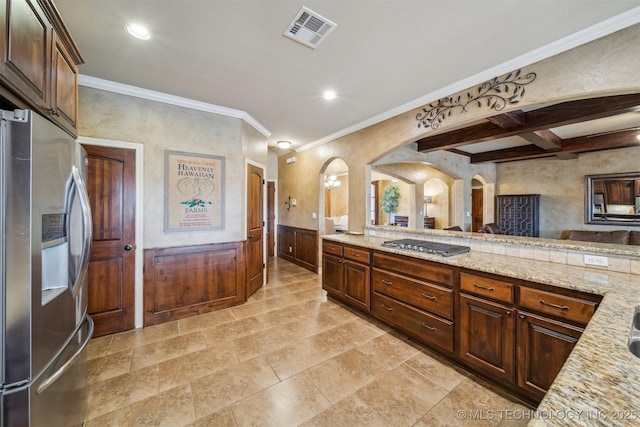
424,246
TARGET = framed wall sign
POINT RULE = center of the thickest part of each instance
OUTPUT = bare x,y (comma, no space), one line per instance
194,191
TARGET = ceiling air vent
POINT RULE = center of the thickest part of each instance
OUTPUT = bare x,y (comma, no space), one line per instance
309,28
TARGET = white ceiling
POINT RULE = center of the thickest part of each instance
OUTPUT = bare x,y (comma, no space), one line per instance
384,56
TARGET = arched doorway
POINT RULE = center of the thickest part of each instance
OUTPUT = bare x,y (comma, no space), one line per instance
334,199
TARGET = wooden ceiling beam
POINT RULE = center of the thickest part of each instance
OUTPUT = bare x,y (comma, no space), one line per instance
568,113
469,135
511,120
617,139
544,139
535,120
510,154
570,147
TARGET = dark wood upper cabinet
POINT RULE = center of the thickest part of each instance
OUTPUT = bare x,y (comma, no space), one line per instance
613,199
619,192
64,86
27,49
39,60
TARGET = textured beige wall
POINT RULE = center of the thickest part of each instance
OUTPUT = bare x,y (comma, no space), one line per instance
403,201
161,127
606,66
560,184
340,197
254,145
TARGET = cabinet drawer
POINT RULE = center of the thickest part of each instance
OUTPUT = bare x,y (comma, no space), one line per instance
424,326
561,306
356,254
432,298
332,248
490,288
414,267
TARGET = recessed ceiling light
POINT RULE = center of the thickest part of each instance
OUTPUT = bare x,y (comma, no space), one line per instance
284,144
329,95
138,31
638,137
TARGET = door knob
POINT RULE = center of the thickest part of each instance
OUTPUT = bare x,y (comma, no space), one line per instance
128,247
250,236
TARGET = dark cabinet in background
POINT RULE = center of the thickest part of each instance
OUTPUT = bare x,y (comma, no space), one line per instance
619,192
518,215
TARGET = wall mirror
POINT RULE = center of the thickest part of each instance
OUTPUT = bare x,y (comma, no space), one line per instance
613,199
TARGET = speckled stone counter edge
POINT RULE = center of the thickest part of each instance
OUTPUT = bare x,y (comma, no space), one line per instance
621,258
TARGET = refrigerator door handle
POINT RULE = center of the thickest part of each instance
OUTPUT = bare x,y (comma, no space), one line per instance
87,227
64,368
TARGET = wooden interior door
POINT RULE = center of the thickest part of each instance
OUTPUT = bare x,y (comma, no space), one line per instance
477,210
255,224
111,275
327,203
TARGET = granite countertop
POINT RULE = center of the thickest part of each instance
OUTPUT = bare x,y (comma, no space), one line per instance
599,385
572,245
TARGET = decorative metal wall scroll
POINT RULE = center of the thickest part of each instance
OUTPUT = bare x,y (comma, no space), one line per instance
494,94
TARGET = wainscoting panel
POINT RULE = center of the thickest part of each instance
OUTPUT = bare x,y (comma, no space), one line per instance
298,245
184,281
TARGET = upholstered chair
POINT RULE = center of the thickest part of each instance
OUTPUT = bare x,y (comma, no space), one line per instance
492,228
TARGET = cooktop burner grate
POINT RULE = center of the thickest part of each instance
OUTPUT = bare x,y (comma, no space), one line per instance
424,246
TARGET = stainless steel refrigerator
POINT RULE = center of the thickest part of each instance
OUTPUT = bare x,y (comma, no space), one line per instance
46,239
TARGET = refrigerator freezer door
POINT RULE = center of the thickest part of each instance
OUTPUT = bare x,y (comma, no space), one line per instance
43,314
58,397
16,146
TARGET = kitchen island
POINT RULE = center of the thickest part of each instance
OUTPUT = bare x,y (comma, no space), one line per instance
598,383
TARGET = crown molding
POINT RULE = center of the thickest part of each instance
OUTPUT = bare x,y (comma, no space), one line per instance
589,34
151,95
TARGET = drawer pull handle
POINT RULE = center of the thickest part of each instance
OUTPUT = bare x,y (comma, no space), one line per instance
483,287
387,308
386,282
354,254
431,328
432,298
559,307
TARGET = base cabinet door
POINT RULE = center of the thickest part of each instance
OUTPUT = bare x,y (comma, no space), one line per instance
487,336
357,284
332,275
543,347
346,273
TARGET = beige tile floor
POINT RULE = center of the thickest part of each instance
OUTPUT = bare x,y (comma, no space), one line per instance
287,357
